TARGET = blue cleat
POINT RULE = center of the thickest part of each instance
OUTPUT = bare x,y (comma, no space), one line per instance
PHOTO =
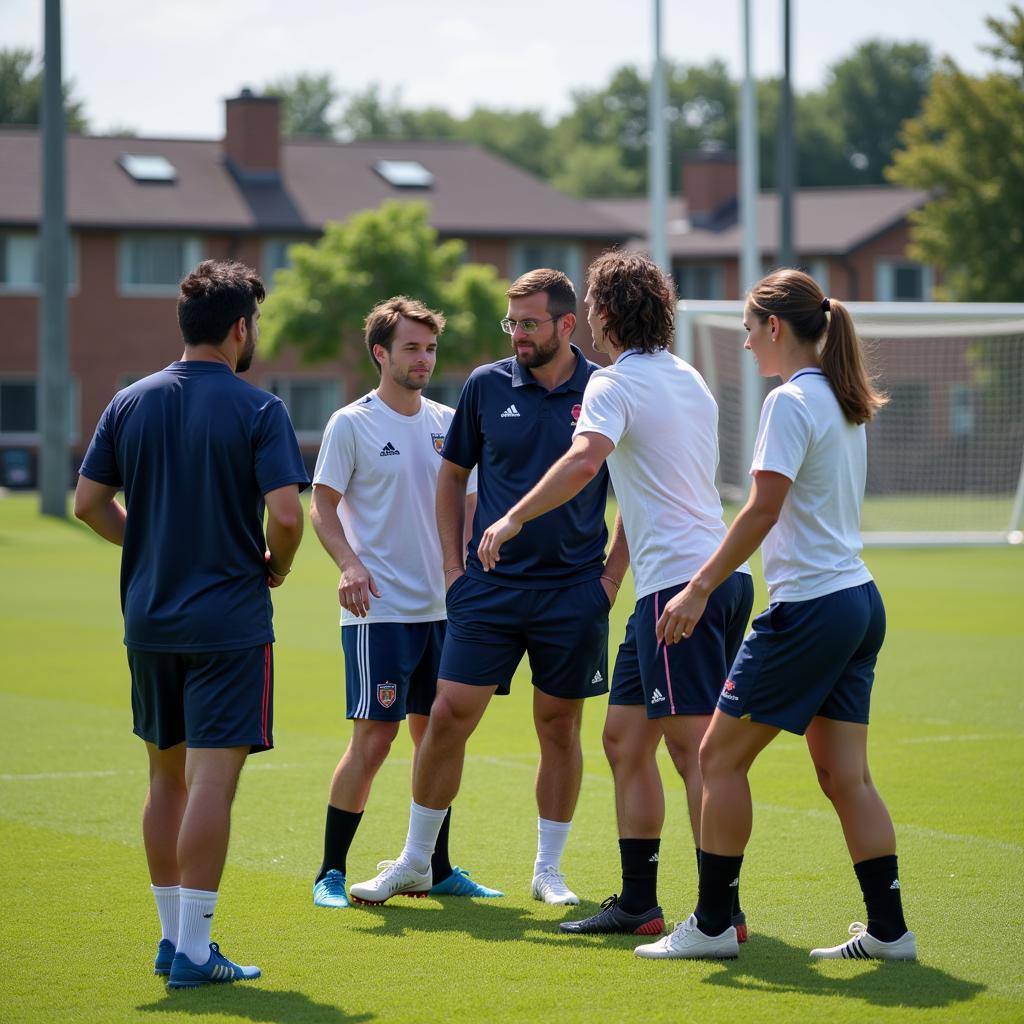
330,891
458,883
217,970
164,956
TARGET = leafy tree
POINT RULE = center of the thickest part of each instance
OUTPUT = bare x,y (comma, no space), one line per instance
318,304
306,102
967,148
21,92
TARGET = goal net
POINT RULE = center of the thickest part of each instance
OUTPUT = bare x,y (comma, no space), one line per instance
945,456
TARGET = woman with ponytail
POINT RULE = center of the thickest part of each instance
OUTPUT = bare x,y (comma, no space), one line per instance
808,665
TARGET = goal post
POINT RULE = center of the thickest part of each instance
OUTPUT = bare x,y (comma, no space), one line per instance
945,455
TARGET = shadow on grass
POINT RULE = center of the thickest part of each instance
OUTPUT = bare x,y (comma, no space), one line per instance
246,1000
770,965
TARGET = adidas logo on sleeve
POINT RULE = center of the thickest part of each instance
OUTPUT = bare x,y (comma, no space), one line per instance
511,412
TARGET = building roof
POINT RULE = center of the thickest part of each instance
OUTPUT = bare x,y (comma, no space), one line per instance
474,192
826,221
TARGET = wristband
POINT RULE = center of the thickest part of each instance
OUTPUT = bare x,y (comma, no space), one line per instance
454,568
615,583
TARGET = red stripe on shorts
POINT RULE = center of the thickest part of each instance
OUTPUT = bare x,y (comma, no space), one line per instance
664,651
266,691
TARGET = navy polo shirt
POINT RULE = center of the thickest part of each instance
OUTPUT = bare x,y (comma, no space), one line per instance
195,449
512,429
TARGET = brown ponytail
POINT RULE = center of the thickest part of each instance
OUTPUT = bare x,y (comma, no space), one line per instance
795,297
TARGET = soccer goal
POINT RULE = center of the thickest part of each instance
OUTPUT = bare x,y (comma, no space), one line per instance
945,456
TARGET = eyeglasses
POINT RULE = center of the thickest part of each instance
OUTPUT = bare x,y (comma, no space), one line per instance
526,326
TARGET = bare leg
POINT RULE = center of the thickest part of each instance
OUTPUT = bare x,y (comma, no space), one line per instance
683,736
417,727
560,770
630,742
367,750
163,811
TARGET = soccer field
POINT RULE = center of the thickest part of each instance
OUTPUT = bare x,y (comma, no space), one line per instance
78,928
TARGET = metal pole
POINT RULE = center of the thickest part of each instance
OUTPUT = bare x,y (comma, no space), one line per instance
657,154
787,256
53,391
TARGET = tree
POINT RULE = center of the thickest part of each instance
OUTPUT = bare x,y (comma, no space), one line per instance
21,92
306,102
318,303
967,149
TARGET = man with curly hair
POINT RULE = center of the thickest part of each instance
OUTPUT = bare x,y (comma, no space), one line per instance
652,418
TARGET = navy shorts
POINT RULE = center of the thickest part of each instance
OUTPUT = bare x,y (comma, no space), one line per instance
204,699
807,658
564,632
390,668
684,678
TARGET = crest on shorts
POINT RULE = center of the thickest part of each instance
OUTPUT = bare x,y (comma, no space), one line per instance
386,694
438,440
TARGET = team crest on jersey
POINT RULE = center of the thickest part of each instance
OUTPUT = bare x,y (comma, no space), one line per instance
438,440
386,694
576,410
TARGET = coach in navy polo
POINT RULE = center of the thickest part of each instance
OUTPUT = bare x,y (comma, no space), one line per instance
548,598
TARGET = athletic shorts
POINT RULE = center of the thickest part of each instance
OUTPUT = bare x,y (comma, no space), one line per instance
204,699
564,632
684,678
807,658
390,668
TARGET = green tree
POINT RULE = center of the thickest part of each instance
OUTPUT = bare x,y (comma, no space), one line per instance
306,102
21,92
318,304
967,149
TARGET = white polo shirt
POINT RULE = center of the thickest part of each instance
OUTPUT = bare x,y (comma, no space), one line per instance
663,420
385,467
814,548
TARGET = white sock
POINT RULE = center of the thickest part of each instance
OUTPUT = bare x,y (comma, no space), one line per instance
551,839
195,919
166,897
424,825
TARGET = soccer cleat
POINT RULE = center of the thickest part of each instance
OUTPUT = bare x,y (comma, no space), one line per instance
458,883
164,957
739,922
612,919
866,947
216,971
687,942
550,887
330,891
395,879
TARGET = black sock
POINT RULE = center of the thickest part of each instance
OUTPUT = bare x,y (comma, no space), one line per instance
880,883
440,865
338,833
736,908
715,900
639,874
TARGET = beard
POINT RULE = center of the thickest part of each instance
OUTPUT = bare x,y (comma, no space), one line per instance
245,359
406,379
542,353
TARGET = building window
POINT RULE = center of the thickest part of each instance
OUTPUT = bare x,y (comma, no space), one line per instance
21,266
19,413
905,420
698,280
902,281
155,264
564,256
275,256
310,401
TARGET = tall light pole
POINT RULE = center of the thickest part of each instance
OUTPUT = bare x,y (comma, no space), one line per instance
786,162
657,154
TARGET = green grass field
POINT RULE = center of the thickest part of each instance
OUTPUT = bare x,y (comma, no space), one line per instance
78,926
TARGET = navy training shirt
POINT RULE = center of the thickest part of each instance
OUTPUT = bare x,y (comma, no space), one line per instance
513,429
195,448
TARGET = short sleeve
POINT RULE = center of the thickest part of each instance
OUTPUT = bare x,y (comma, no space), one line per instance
100,462
606,407
337,459
462,445
783,435
278,461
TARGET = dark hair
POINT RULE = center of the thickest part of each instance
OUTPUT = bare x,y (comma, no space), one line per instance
795,297
637,300
213,297
559,289
384,317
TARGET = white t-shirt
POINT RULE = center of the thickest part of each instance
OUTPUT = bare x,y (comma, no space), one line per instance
385,467
663,421
814,548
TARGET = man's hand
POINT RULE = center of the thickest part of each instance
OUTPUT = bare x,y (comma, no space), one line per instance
681,615
274,578
611,591
355,587
494,536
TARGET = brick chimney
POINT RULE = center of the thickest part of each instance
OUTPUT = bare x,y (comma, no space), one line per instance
252,139
710,186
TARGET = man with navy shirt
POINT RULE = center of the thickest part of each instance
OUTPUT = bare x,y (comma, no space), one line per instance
549,599
201,456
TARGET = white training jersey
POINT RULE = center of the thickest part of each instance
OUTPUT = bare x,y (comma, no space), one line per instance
658,412
814,548
385,467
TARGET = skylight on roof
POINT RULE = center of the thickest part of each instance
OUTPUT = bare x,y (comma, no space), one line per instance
404,173
148,168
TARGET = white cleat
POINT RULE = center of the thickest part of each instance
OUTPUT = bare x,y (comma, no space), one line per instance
395,879
687,942
550,887
866,947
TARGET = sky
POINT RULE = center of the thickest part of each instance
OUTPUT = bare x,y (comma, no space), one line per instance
164,67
